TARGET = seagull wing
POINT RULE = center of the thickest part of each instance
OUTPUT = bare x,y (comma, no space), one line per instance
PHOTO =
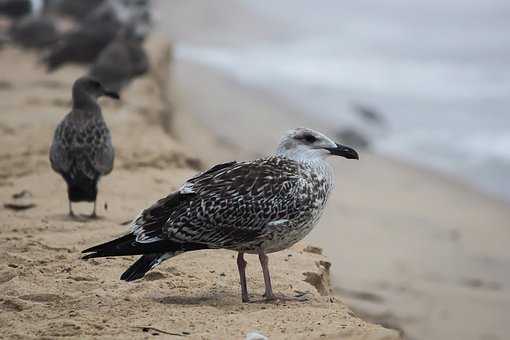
149,225
83,146
103,154
59,157
229,205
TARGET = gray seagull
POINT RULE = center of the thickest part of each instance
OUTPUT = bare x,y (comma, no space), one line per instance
82,149
121,61
256,207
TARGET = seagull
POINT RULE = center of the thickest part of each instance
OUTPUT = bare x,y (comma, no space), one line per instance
82,149
81,45
96,31
137,13
120,62
16,9
35,29
76,9
256,207
34,32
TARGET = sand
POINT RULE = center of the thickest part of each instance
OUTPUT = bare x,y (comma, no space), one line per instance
46,291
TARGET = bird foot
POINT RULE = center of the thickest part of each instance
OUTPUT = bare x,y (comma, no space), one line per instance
280,298
299,297
73,216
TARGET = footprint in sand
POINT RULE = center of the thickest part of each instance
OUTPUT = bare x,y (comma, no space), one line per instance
6,276
82,278
41,297
6,85
61,329
12,305
153,276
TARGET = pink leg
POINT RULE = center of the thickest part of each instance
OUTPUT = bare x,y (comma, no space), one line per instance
93,215
71,213
267,279
241,266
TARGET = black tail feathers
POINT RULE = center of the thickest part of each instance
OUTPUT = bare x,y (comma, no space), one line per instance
82,179
81,188
122,246
145,263
153,253
82,193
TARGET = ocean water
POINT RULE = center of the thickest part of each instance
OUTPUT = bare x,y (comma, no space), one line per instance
437,71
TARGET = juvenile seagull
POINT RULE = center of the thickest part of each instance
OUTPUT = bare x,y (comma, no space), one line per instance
121,61
82,148
34,32
16,9
257,207
82,45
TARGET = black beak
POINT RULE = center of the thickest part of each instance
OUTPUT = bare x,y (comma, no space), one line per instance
111,94
344,151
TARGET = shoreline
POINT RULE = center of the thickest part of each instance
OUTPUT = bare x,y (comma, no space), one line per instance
286,108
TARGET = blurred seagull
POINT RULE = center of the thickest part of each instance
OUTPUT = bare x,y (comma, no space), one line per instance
96,31
81,45
82,148
255,207
120,62
34,29
77,9
134,12
34,32
16,9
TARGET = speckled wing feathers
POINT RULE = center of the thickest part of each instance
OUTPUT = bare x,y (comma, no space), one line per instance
148,225
235,205
83,147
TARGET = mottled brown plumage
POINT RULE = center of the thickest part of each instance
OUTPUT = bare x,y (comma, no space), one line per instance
259,206
82,149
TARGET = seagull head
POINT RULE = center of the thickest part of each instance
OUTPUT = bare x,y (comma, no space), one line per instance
93,88
307,144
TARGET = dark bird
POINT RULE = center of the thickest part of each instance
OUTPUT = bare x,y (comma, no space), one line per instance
354,137
124,11
82,149
82,45
96,31
77,9
34,32
16,9
369,114
256,207
120,62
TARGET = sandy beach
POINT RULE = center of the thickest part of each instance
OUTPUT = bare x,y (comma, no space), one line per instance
48,292
401,252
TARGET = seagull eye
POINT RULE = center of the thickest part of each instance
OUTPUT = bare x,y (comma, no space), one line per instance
310,138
